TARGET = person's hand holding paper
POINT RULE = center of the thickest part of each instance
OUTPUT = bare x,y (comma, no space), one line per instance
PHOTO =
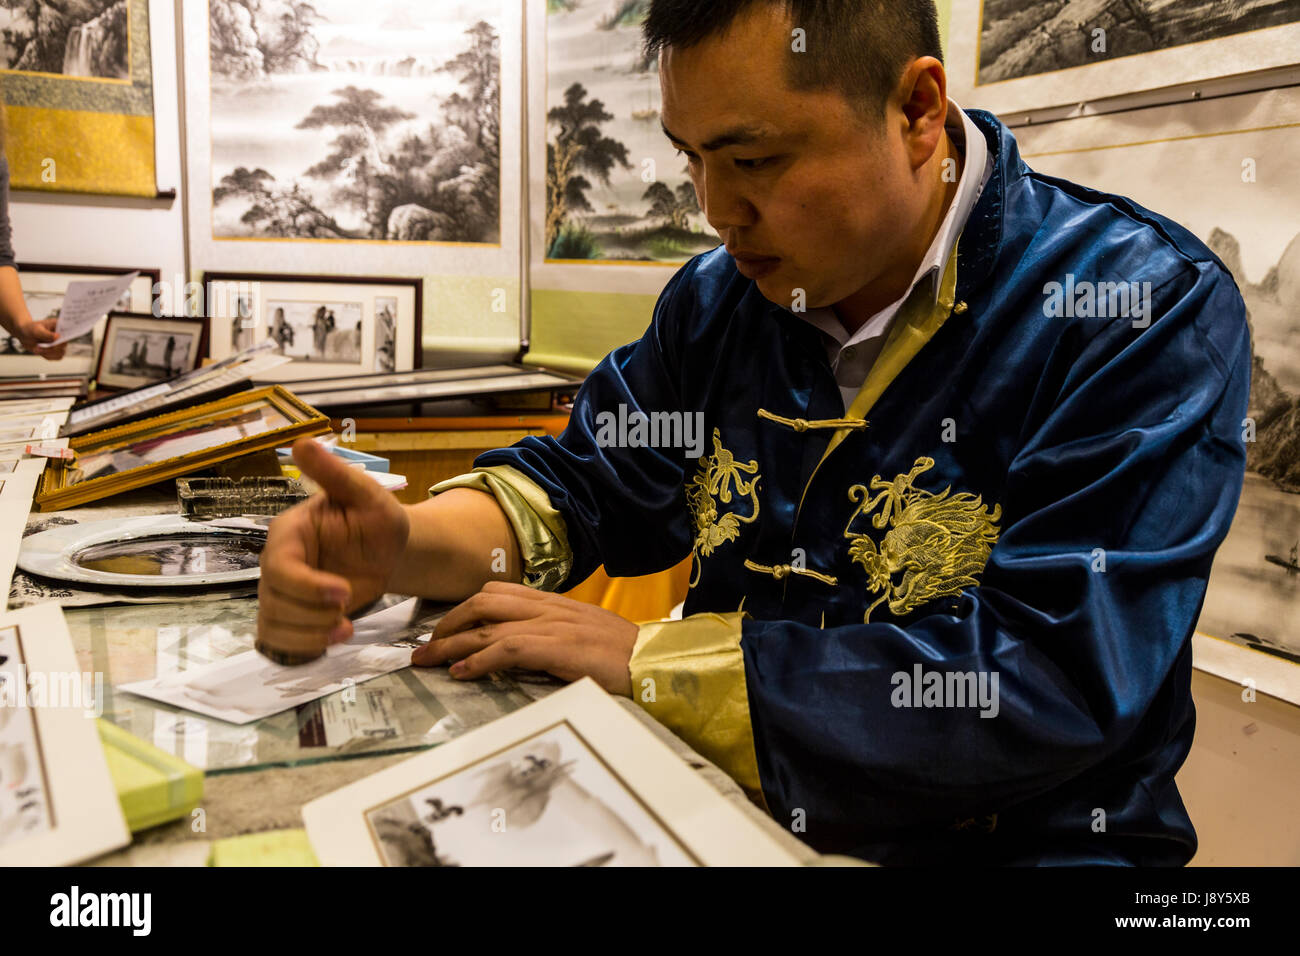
85,303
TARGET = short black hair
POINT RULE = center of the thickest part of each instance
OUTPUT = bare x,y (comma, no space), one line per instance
859,47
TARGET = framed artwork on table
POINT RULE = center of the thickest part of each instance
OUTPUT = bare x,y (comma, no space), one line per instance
580,781
58,805
326,325
118,459
43,289
140,350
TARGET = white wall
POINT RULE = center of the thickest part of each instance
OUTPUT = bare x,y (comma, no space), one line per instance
63,229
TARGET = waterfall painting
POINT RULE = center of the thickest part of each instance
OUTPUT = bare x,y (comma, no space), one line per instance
81,38
1232,183
1015,55
78,91
616,189
355,120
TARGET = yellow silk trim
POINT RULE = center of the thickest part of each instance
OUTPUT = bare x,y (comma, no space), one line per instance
92,152
690,676
540,530
783,571
804,424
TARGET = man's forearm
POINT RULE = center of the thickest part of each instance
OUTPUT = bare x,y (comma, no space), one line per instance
13,308
459,540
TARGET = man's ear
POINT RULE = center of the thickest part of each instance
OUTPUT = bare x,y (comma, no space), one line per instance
922,95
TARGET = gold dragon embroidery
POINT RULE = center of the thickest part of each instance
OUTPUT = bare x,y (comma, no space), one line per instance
717,479
939,544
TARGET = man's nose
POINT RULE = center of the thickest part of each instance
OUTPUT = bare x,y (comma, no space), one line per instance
725,207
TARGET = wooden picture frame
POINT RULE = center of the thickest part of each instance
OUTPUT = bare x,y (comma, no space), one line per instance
131,456
42,282
117,369
329,325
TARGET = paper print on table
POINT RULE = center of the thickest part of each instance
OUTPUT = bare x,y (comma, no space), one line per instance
616,189
79,94
1013,55
341,120
1236,192
248,686
548,801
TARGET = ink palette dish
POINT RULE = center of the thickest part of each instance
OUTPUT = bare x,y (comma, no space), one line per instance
151,551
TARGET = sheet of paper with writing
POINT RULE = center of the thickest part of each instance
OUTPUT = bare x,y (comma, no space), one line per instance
85,303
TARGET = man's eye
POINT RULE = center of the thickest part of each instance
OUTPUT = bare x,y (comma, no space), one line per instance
691,157
754,163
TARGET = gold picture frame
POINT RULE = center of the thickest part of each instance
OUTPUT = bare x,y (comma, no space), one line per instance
179,443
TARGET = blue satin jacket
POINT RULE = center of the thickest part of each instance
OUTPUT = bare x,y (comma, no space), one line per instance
1037,495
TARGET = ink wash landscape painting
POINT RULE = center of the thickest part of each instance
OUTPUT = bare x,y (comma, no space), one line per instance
616,189
345,120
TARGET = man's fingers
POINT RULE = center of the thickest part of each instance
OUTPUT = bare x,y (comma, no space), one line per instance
443,650
312,613
533,652
294,639
345,486
486,606
285,568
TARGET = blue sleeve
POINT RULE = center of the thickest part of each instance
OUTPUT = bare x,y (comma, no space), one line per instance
1114,507
623,507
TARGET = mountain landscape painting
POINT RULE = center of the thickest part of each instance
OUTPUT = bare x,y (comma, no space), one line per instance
1028,37
616,189
349,120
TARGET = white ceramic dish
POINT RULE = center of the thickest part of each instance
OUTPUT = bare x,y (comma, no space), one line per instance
155,551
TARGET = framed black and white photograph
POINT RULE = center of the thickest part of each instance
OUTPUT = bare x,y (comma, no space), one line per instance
141,350
43,289
1014,55
326,326
570,780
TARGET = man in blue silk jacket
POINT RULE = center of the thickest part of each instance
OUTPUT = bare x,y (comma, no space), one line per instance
952,443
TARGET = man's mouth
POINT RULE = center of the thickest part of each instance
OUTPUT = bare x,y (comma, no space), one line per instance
755,267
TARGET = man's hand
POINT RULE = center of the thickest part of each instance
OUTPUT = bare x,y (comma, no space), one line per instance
511,625
31,334
331,554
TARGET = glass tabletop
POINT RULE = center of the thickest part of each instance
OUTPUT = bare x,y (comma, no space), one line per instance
410,709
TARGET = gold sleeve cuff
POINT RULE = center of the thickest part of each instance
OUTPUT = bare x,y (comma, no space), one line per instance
690,676
539,528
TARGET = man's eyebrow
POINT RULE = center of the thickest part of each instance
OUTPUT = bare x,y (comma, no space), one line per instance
737,136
